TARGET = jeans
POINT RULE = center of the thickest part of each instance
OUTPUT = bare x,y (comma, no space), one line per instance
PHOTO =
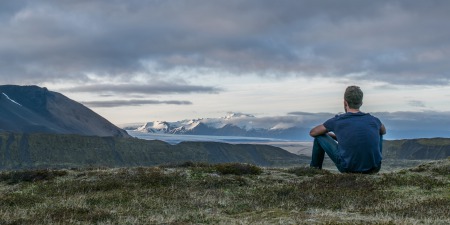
325,143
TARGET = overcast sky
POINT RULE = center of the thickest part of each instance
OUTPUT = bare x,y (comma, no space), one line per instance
137,61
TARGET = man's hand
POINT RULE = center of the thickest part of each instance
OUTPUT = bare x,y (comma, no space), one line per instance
317,131
382,129
332,135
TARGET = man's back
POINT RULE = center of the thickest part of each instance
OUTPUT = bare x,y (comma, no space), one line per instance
358,136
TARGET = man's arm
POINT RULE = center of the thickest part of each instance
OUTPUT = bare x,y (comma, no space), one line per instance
382,129
318,130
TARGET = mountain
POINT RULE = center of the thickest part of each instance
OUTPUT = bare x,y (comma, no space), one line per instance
233,124
24,151
32,109
417,149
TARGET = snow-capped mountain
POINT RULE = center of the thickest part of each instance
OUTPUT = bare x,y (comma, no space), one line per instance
233,124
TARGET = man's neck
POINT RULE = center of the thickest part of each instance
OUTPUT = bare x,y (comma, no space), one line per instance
350,110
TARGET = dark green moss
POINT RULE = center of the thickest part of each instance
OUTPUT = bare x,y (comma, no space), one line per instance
218,182
65,214
307,171
14,177
429,208
238,169
422,181
19,200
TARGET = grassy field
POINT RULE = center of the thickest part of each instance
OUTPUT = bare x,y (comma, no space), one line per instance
197,193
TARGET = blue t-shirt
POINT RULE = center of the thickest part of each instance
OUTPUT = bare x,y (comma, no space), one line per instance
358,136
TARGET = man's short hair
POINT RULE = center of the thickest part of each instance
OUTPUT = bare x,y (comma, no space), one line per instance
353,96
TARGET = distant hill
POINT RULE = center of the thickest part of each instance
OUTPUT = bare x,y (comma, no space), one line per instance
417,149
21,151
32,109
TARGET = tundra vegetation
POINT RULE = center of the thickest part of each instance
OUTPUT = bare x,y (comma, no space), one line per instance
227,193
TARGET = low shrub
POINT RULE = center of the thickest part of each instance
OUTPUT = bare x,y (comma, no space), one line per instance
238,169
190,164
332,192
65,214
422,181
31,175
441,170
152,176
429,208
223,182
307,171
19,200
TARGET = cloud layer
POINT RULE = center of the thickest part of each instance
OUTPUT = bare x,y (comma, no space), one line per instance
133,102
147,89
399,125
399,42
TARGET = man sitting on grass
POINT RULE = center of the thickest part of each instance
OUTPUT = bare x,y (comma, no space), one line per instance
352,140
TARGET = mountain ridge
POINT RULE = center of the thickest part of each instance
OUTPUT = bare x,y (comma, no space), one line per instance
32,109
233,124
412,149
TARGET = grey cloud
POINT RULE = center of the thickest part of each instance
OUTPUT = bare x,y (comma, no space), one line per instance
417,103
386,87
400,125
294,119
120,103
416,120
159,88
426,124
402,120
399,42
309,114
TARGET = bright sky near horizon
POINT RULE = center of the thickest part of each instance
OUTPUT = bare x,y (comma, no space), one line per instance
137,61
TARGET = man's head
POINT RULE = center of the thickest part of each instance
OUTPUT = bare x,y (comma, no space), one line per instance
353,96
